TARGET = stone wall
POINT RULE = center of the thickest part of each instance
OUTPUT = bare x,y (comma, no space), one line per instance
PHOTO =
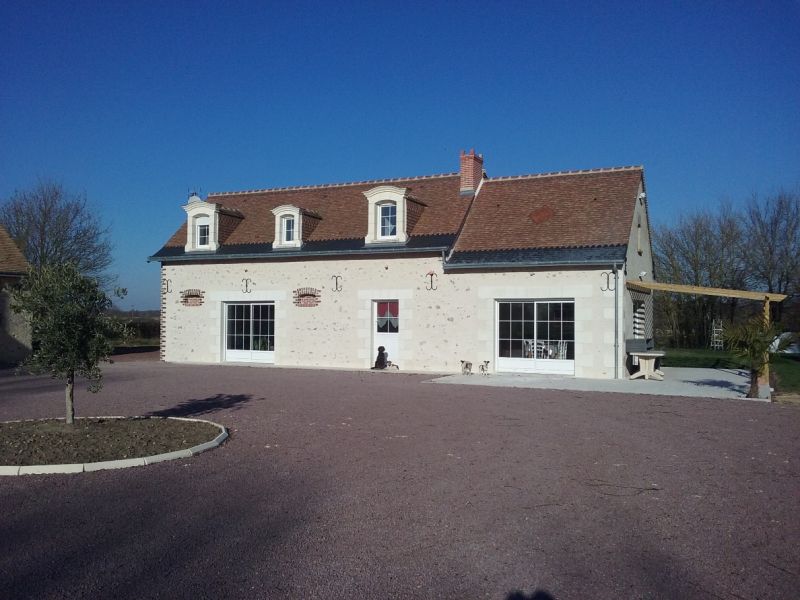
443,319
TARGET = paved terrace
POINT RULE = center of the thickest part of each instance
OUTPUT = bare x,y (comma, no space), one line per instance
362,485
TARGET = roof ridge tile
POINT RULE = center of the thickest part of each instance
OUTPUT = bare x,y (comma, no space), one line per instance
293,188
562,173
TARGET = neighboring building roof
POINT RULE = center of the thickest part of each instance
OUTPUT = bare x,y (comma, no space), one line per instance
12,261
573,217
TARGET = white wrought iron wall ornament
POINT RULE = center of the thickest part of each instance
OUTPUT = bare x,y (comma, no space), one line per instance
168,286
337,283
246,283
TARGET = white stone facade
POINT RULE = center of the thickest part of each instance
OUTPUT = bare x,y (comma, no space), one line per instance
439,327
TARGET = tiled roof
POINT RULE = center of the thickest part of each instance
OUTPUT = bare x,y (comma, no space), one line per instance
553,213
558,210
12,261
342,208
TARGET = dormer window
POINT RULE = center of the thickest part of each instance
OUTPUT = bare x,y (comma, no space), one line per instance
202,225
288,227
387,219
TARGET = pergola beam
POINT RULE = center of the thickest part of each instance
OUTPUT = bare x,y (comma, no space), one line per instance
648,286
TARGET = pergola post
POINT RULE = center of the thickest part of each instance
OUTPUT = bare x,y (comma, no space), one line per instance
763,379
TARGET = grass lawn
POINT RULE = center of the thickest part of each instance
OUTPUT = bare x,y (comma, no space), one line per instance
786,368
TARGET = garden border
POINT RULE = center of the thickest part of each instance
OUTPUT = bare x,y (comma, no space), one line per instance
122,463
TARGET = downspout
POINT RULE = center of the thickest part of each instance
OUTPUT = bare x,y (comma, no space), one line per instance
616,320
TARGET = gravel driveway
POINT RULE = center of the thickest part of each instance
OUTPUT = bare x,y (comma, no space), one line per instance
379,485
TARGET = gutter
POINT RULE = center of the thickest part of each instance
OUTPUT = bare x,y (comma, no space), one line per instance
527,265
615,270
196,256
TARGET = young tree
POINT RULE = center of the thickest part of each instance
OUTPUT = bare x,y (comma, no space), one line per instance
71,331
752,341
53,226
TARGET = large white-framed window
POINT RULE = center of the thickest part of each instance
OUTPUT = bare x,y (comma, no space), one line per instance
288,226
536,336
249,331
386,219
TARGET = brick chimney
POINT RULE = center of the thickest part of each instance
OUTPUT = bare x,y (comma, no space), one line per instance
471,172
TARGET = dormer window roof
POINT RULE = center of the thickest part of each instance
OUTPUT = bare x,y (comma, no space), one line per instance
292,225
207,224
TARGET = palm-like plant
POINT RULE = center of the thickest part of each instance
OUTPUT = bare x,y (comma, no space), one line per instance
752,341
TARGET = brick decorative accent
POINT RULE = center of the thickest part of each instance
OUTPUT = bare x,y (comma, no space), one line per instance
192,297
471,171
306,297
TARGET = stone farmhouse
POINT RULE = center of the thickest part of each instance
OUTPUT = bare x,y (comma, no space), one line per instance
15,331
525,273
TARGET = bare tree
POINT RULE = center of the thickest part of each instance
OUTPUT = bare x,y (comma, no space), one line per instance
773,244
702,249
53,226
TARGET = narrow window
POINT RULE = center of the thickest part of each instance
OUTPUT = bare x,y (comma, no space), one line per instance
388,219
288,229
201,231
639,236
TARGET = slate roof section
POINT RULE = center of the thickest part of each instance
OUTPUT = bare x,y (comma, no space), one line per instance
573,209
414,245
12,261
537,257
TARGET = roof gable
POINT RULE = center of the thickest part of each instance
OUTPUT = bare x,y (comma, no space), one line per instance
12,261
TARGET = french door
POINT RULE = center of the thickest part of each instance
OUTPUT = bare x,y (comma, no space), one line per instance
386,328
536,336
250,332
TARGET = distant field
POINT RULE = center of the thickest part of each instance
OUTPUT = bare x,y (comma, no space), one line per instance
786,368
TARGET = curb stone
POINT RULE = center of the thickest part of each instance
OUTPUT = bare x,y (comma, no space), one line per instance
12,470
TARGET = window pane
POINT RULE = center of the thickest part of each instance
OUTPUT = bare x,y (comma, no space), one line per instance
505,348
554,311
528,310
505,330
568,311
568,332
541,311
555,331
516,311
505,311
516,349
393,326
516,330
529,330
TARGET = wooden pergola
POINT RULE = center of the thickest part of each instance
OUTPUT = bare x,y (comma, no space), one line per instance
765,297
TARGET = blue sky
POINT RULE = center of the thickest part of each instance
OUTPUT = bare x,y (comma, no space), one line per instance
134,103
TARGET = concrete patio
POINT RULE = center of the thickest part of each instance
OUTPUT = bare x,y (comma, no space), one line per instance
678,381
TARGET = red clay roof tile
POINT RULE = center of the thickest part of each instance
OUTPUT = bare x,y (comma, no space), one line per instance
11,258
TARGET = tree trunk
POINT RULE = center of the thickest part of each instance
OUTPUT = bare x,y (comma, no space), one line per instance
753,393
69,398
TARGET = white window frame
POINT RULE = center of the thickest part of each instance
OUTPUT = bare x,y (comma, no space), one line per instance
282,215
534,364
377,198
